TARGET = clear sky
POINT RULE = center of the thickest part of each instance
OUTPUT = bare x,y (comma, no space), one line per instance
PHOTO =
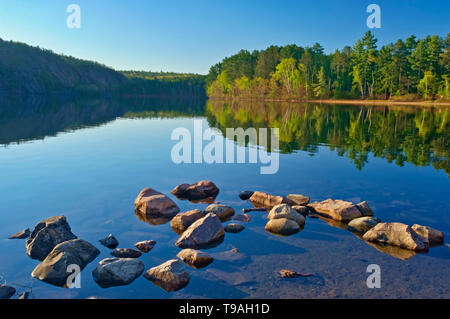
192,35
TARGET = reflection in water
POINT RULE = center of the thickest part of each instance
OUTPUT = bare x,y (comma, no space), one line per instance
152,220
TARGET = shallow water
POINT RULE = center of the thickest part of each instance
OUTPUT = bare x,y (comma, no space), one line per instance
88,160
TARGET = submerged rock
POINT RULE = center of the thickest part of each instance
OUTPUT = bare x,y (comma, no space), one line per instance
337,209
222,211
285,273
110,241
182,221
244,195
286,211
6,292
301,200
362,224
112,272
21,235
242,218
234,228
54,268
282,226
434,237
195,258
260,199
153,204
46,235
170,276
126,253
365,209
205,232
145,246
229,255
396,234
196,191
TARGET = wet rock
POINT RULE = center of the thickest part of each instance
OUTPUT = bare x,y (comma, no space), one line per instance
146,245
396,234
337,209
260,199
244,195
234,228
197,191
286,211
170,276
6,292
232,278
365,209
54,268
242,218
229,255
205,232
301,200
25,295
110,241
153,204
112,272
126,253
285,273
302,210
21,235
195,258
434,237
222,211
46,235
362,224
182,221
282,226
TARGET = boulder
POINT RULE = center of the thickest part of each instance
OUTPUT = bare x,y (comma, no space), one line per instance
110,241
302,210
234,228
205,232
337,209
197,191
242,218
112,272
364,209
170,276
301,200
195,258
222,211
46,235
286,211
145,246
54,268
153,204
434,237
282,226
260,199
362,224
396,234
6,292
21,235
244,195
182,221
126,253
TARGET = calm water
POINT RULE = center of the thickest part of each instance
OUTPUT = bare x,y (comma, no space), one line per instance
88,160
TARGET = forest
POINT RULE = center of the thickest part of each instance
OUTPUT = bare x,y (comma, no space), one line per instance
407,70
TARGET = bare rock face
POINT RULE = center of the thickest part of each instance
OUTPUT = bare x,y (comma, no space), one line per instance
195,258
286,211
197,191
6,292
112,272
434,237
145,246
260,199
299,199
282,226
182,221
153,204
205,232
126,253
365,209
222,211
46,235
337,209
21,235
54,268
170,276
396,234
362,224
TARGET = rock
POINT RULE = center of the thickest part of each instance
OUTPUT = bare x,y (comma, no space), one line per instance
110,241
242,218
222,211
286,211
394,251
170,276
362,224
182,221
205,232
229,255
301,200
126,253
285,273
260,199
244,195
146,245
6,292
21,235
302,210
365,209
195,258
46,235
197,191
234,228
396,234
337,209
54,268
282,226
153,204
434,237
112,272
25,295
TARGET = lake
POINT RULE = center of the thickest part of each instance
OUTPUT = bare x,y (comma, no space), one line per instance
89,159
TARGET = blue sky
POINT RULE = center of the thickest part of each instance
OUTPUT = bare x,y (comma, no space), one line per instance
192,35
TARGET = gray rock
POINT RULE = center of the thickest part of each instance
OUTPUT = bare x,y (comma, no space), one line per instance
234,228
126,253
170,276
299,199
110,241
55,267
286,211
205,232
195,258
282,226
222,211
145,246
112,272
46,235
244,195
21,235
6,292
243,218
362,224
